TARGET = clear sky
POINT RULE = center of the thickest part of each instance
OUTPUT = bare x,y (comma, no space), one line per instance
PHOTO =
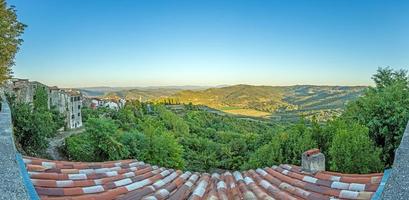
210,42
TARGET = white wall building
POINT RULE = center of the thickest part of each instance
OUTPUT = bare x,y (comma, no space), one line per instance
69,103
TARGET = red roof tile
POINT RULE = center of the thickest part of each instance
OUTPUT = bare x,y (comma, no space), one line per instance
131,179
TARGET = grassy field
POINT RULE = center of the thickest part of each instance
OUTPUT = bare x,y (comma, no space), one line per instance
247,112
229,108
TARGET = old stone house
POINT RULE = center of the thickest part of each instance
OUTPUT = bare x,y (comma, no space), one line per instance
68,102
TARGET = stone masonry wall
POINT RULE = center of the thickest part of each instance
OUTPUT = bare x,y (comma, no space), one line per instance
11,181
397,186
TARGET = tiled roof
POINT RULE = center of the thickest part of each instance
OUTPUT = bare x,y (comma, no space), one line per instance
131,179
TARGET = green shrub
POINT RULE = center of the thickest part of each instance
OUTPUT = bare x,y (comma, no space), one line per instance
32,128
352,151
81,148
286,147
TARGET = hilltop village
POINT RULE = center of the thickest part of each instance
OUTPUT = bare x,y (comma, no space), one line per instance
68,102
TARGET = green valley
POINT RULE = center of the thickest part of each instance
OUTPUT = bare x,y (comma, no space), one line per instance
279,103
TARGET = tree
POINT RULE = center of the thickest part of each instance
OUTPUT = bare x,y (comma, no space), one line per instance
384,109
352,151
32,128
387,76
286,147
103,133
99,142
173,122
40,100
200,153
126,119
160,146
81,148
58,117
10,32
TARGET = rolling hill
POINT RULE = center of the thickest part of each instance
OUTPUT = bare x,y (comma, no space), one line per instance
284,103
277,102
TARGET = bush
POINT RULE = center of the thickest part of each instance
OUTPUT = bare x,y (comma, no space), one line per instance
81,148
98,142
160,149
32,128
201,153
352,151
286,147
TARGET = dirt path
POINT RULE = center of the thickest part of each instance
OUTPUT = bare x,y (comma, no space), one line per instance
58,140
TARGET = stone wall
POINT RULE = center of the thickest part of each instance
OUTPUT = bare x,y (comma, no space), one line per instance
397,186
12,185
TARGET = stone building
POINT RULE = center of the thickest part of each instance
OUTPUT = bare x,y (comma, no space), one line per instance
68,102
24,90
74,106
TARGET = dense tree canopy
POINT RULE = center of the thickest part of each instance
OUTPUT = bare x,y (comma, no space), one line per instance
10,39
384,110
285,147
351,149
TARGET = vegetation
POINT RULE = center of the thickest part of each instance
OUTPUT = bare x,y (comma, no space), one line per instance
284,103
10,39
352,151
360,140
285,147
384,110
34,123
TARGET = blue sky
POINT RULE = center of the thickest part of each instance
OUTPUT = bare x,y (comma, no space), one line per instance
210,42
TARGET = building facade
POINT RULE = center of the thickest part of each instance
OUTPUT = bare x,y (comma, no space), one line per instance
74,109
24,90
68,102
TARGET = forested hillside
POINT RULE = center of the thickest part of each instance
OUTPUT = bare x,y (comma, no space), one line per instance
282,103
287,103
143,94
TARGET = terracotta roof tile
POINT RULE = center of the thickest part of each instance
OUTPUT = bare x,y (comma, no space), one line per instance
131,179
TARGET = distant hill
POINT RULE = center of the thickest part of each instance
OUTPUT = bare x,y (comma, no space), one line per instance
263,98
283,103
276,102
272,98
101,91
146,93
143,94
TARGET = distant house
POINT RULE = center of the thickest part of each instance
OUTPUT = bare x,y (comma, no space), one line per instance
94,102
111,105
